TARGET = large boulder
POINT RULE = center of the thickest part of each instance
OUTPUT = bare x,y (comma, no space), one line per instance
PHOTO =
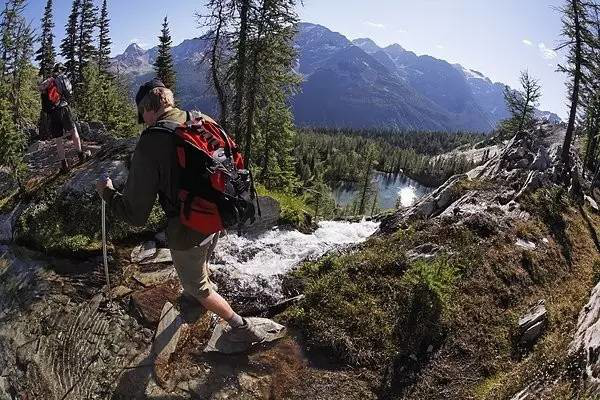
64,215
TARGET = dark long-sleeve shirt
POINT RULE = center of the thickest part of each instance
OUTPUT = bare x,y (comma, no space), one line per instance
153,172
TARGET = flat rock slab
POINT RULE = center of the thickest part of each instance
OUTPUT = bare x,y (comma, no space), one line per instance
84,181
162,256
143,251
167,334
120,292
220,343
155,278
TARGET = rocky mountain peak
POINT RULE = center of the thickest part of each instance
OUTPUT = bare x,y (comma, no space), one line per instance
367,45
134,49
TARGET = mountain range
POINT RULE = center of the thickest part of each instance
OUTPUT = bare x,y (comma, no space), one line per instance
351,84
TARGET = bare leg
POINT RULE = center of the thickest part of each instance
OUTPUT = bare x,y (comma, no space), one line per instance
76,139
218,305
60,148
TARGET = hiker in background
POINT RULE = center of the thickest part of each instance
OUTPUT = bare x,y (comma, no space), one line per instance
56,93
155,171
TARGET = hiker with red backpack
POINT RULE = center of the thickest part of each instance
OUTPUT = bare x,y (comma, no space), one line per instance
56,93
195,169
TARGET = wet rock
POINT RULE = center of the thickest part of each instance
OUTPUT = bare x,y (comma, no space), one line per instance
271,212
148,279
143,252
162,256
533,324
149,303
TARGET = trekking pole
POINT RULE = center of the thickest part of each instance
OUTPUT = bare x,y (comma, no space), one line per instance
105,250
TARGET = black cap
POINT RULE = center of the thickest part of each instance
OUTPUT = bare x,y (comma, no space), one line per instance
146,88
58,67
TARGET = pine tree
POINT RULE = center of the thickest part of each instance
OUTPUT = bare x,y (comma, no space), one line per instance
104,41
577,40
164,61
46,54
69,45
85,40
522,104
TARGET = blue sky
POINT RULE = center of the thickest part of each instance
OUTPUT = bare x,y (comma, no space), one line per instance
497,38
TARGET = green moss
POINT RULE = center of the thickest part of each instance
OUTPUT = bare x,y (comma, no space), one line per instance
372,306
65,225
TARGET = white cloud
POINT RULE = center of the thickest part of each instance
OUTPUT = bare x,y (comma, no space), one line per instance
547,53
527,42
374,25
439,46
401,30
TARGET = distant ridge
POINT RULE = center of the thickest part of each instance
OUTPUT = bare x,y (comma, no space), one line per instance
352,84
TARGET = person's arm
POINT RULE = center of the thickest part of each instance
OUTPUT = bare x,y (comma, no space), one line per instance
135,203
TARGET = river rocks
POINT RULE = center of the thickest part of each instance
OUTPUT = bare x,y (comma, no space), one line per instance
143,251
532,325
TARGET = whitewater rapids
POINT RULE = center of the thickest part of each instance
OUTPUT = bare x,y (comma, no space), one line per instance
260,261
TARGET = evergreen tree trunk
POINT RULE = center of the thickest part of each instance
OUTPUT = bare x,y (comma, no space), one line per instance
215,65
565,156
240,72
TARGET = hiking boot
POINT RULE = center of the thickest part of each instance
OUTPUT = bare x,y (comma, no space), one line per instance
248,333
64,167
84,156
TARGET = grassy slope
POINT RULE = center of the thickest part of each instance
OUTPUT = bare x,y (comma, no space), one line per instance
376,309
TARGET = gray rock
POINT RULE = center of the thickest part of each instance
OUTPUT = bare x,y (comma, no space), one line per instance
425,251
162,256
522,164
533,324
84,181
542,160
167,334
143,252
7,223
526,244
271,212
593,204
155,278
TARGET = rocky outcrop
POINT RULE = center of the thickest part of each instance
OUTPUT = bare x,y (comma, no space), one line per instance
493,191
586,343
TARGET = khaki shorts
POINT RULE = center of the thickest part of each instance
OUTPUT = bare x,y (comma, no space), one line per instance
192,269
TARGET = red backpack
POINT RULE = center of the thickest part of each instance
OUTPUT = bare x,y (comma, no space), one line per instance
215,190
53,92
